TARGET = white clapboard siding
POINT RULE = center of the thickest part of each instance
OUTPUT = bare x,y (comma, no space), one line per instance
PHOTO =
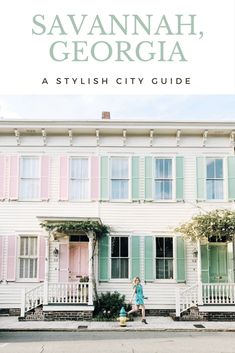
138,218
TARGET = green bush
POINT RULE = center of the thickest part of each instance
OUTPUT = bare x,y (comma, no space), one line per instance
108,305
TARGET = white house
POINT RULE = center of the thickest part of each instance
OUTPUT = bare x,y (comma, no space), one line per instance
143,179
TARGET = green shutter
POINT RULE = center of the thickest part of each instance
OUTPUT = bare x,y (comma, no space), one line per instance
179,178
148,178
104,258
205,263
231,178
135,178
135,256
201,178
180,252
104,179
230,262
148,258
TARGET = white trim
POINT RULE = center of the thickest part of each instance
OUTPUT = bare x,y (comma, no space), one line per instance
68,307
173,159
216,308
18,239
110,259
164,280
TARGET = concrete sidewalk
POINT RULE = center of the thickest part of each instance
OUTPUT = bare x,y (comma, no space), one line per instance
154,324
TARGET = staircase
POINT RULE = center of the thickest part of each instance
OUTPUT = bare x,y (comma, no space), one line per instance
186,299
31,299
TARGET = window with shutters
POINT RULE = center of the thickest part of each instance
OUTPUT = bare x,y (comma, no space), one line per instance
79,179
28,257
119,257
214,179
163,179
120,178
29,178
164,258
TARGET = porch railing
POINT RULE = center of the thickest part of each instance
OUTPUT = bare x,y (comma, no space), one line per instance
68,293
186,298
31,299
218,293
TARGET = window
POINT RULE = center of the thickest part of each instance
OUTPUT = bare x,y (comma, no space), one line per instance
120,178
163,179
214,179
119,257
28,261
79,180
29,178
164,258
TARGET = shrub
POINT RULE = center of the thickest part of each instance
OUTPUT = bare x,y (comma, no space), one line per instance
108,305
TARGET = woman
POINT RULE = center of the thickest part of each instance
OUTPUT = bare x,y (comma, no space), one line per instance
139,299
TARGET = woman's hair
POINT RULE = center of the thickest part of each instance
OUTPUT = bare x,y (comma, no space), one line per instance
135,279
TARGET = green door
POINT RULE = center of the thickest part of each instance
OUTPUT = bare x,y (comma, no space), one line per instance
218,269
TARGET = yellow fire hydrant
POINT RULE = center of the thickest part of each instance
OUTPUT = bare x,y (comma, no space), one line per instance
122,318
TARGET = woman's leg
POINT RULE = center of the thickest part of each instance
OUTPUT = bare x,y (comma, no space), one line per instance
143,311
135,308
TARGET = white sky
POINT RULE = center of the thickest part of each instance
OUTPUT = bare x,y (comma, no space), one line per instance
170,107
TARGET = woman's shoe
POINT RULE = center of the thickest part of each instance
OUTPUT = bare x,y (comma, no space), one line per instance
144,321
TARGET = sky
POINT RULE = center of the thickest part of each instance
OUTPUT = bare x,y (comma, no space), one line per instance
141,107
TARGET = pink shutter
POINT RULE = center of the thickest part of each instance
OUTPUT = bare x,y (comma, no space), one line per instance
2,177
11,258
1,257
95,178
41,260
14,177
45,177
64,178
64,262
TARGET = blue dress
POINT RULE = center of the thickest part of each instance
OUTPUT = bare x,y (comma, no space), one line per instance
139,296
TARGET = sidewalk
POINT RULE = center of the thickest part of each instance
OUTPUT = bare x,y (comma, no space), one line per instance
154,324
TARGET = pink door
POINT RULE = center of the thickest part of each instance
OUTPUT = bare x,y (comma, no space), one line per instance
78,261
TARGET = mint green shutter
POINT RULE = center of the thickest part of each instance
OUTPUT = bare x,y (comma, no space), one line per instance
230,262
179,178
148,178
104,178
180,255
148,258
104,258
201,177
231,178
135,256
205,263
135,178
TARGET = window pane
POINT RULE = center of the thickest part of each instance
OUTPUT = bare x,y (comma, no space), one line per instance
115,268
210,170
29,167
214,189
124,246
124,268
159,172
115,246
219,168
79,189
159,247
160,269
29,189
168,268
163,168
79,168
119,168
168,247
119,189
